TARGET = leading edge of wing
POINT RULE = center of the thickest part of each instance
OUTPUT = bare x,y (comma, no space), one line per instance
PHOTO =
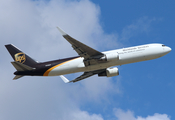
82,49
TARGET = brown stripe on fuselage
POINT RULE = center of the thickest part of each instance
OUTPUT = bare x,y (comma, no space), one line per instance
50,69
41,68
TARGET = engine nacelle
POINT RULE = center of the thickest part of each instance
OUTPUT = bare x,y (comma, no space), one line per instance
110,57
110,72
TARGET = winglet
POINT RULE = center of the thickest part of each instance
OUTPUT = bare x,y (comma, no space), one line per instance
61,31
64,79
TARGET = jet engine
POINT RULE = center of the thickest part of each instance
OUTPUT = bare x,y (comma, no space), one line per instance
110,57
110,72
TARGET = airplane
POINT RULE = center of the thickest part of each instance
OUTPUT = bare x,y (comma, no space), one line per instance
89,60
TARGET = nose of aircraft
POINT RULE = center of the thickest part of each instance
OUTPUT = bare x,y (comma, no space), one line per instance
167,49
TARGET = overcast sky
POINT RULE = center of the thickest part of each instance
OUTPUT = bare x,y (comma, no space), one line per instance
142,91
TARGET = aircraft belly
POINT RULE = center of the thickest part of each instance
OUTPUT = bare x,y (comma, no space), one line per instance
78,66
67,68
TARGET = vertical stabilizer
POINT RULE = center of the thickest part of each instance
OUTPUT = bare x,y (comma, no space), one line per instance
19,56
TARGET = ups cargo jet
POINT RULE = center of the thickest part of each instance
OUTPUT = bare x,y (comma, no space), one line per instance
89,61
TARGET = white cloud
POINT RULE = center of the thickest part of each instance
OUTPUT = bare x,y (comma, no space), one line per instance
129,115
83,115
31,26
142,25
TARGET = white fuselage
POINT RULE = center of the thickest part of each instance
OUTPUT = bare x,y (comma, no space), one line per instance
126,56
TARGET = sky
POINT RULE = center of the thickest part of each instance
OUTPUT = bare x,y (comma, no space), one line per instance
142,91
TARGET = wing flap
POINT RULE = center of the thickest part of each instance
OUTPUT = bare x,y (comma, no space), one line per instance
82,49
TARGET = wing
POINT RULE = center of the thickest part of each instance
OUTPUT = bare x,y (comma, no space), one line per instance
83,76
90,55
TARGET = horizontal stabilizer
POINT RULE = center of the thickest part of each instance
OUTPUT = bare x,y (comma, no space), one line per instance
20,66
17,77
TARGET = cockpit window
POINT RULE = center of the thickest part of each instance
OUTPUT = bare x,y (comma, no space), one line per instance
163,45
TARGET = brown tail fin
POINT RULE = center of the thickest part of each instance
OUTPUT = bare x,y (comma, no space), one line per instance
19,56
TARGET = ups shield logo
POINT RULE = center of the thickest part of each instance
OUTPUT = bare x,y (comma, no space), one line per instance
20,57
